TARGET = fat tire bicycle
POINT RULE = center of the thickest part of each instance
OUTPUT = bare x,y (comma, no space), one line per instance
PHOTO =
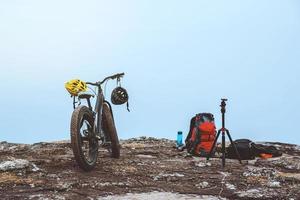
91,126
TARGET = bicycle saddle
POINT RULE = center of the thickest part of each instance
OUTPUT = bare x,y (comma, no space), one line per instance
85,95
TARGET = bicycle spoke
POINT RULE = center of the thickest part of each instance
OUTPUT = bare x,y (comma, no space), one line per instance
93,150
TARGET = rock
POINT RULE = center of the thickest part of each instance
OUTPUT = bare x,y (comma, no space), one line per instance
65,185
38,145
259,172
105,184
202,185
203,164
290,176
259,193
145,156
252,193
225,175
230,186
46,197
35,168
146,165
160,196
3,145
288,162
274,184
11,147
296,148
14,164
163,175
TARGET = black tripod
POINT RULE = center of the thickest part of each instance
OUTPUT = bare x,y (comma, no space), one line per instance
223,130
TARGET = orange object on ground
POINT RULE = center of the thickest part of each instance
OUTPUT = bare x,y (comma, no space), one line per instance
265,155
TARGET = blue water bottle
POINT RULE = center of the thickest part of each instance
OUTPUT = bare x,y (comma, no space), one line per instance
179,139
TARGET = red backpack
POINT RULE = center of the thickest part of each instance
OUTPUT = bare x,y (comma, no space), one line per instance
202,134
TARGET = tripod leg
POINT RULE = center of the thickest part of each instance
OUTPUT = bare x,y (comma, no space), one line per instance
213,146
235,149
223,149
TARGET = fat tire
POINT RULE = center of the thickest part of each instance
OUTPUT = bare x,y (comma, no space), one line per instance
78,114
109,128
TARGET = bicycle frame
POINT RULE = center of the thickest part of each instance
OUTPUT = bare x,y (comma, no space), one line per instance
99,104
98,111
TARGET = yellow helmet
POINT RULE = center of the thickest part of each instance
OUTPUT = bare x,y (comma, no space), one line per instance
75,86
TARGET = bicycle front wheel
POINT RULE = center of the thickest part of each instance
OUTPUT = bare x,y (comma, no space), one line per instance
110,131
83,139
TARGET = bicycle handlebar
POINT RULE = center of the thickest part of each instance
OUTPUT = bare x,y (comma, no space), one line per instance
99,83
113,77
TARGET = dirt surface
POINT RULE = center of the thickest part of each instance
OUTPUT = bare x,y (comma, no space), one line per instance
149,168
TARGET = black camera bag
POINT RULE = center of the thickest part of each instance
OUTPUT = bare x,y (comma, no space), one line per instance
244,147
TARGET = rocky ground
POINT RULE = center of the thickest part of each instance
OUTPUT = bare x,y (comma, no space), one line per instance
149,168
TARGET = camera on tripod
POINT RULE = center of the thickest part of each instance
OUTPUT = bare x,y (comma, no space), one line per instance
223,105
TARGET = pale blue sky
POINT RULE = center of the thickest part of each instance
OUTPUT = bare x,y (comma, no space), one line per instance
180,58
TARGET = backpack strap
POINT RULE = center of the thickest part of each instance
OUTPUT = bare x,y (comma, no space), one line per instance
198,138
188,137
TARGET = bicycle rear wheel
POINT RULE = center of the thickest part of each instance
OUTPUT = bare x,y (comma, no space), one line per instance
110,131
83,139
